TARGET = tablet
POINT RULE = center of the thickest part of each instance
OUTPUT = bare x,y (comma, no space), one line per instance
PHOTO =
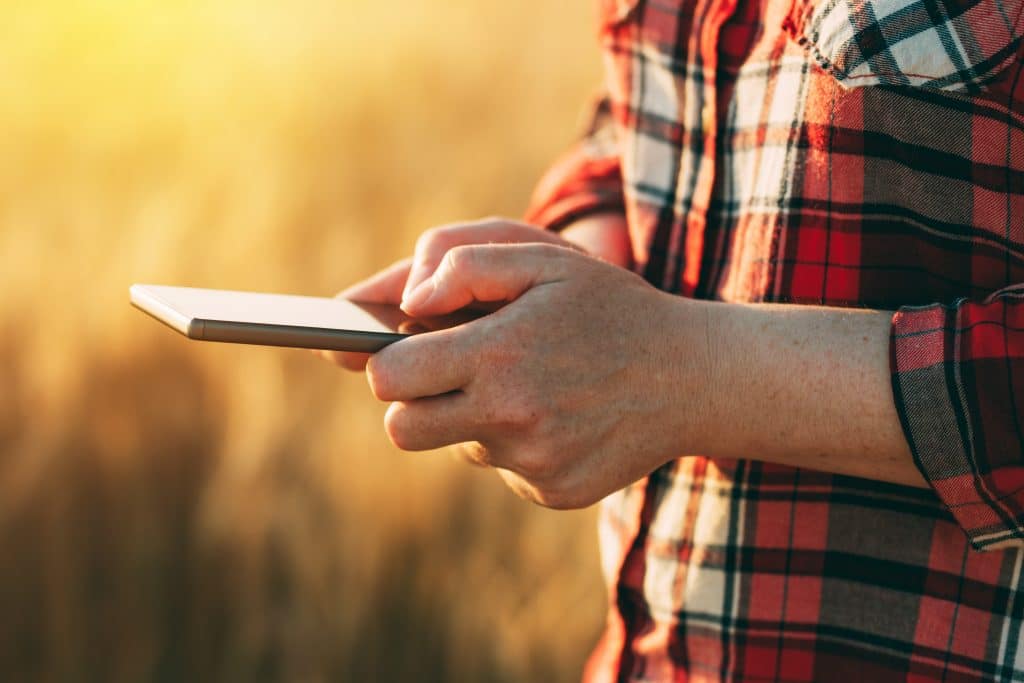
281,319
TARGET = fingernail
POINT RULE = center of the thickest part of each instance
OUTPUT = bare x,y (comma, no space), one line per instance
419,295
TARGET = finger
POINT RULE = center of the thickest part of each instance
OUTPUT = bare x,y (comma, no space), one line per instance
431,248
564,496
384,287
472,452
519,485
486,273
356,362
429,423
428,364
434,244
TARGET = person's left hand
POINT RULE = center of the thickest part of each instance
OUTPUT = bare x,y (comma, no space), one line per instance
573,390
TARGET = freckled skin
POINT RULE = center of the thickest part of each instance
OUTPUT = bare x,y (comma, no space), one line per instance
587,378
551,404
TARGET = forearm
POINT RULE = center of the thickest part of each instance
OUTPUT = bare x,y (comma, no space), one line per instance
603,235
806,387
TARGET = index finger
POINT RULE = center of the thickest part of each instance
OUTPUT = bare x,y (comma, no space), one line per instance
427,364
384,287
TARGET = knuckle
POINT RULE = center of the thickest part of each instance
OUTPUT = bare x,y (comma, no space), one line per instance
505,351
427,238
538,464
437,241
553,499
524,413
433,242
461,257
561,497
558,495
509,415
522,418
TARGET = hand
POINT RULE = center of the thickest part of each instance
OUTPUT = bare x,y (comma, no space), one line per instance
571,391
390,285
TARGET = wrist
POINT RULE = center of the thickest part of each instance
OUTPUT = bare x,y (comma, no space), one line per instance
690,372
709,377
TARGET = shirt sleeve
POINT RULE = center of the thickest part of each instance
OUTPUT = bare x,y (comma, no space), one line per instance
958,381
585,180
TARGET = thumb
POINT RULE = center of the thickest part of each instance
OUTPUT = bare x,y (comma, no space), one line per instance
487,273
383,288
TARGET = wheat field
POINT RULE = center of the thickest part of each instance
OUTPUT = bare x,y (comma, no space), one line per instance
173,510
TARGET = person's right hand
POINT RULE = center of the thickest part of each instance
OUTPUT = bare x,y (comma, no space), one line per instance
390,285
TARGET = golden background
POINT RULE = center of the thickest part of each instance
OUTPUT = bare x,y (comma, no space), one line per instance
171,510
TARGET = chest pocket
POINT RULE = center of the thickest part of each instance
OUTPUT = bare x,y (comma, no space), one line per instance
910,42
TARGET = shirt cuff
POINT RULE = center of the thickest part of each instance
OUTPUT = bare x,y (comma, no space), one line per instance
576,186
937,393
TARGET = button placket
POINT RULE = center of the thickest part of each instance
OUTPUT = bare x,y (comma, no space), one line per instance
696,221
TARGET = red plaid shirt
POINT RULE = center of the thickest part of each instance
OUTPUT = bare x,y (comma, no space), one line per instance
847,153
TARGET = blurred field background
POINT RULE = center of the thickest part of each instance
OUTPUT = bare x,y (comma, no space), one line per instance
171,510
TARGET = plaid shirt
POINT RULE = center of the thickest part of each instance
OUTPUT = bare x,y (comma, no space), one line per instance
847,153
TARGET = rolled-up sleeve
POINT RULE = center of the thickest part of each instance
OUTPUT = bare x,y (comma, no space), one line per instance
586,180
958,382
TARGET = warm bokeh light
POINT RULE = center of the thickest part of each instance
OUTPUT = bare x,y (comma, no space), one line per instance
187,511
